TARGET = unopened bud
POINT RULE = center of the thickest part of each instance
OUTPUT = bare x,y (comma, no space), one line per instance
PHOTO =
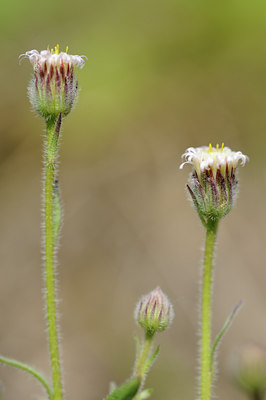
154,312
53,89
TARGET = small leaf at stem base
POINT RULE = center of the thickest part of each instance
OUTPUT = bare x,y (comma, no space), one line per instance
126,391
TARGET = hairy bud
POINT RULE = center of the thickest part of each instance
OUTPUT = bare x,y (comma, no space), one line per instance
154,312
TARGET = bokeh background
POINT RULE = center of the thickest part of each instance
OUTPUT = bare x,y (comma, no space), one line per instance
161,76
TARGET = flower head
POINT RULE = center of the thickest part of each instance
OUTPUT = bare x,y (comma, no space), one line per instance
208,158
53,88
154,312
213,182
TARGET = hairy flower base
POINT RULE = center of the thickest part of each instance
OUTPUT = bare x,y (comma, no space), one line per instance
53,94
213,196
53,89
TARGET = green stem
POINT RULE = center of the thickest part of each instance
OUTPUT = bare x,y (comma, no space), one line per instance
206,376
31,370
53,128
141,364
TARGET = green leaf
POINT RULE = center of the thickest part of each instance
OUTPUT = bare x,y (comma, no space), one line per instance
149,362
30,370
145,394
154,355
223,331
126,391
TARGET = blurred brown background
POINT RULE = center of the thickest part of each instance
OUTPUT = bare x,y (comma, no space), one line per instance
161,76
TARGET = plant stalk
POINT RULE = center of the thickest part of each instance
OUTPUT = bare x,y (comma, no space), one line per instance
206,302
141,365
53,129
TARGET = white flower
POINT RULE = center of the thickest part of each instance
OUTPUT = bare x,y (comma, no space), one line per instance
208,158
46,58
53,89
213,183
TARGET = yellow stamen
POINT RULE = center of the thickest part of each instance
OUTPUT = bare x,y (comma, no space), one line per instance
216,148
221,149
55,50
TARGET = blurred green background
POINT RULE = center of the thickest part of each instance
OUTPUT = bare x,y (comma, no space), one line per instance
161,76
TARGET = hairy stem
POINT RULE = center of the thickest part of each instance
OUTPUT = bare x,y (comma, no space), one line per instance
143,358
206,375
53,128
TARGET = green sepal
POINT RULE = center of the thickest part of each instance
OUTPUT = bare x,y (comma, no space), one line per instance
196,205
223,331
126,391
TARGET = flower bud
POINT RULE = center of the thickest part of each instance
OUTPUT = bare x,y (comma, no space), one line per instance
249,369
213,182
154,312
53,89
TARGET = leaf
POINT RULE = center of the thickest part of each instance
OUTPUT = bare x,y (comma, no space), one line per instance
145,394
154,355
126,391
149,362
30,370
223,331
